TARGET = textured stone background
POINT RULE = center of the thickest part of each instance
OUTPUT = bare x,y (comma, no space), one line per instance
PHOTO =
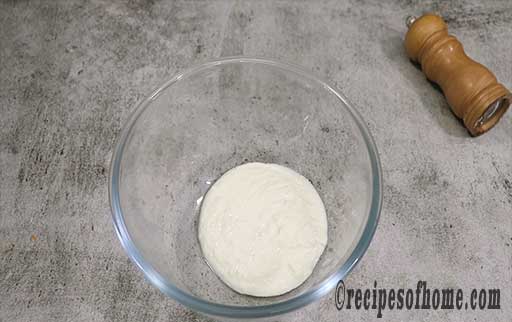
71,72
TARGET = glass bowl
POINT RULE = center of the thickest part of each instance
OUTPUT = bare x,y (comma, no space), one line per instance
212,118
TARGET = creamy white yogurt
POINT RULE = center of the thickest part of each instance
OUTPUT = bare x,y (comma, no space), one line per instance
262,228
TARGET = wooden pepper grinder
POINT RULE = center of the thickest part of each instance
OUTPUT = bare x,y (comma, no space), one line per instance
471,89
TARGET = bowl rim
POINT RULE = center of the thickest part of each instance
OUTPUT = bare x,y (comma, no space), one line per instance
232,311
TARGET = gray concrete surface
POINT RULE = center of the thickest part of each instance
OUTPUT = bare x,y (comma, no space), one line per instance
71,72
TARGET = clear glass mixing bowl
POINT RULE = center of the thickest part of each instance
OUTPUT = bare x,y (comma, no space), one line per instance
212,118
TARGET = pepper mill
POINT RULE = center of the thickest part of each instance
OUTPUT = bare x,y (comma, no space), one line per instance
471,90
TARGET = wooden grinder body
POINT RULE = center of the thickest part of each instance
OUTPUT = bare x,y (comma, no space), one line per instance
471,89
